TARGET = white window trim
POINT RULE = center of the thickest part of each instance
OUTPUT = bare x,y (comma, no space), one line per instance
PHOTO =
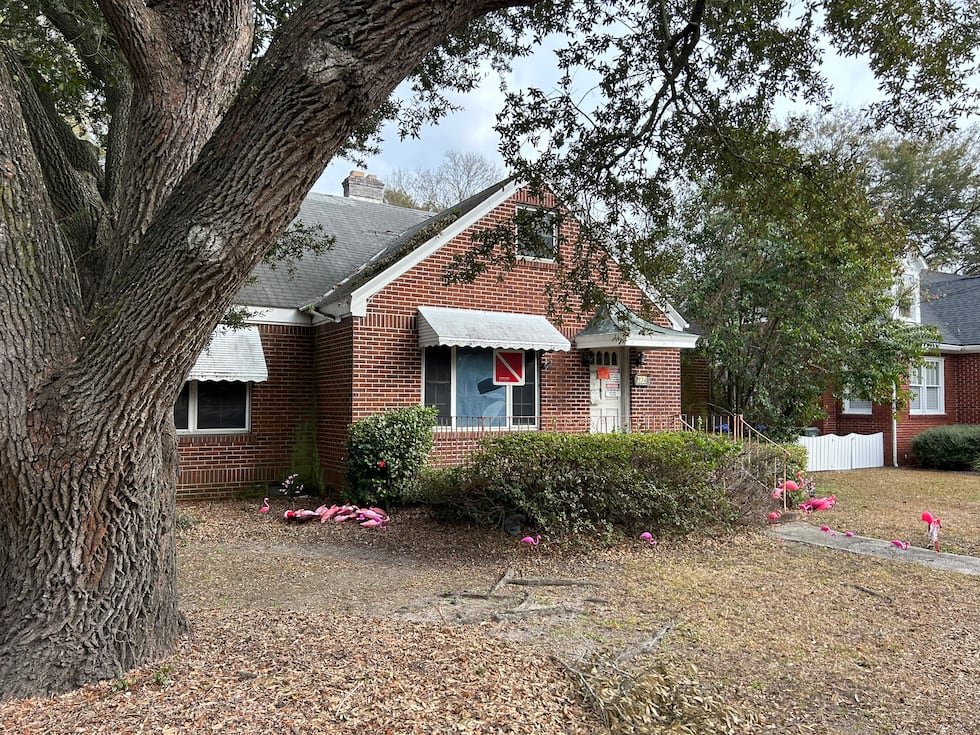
850,409
192,429
508,399
554,234
922,410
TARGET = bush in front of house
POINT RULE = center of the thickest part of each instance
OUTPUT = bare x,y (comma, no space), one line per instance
590,483
386,454
953,447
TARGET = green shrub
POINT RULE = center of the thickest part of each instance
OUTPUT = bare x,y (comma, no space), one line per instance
386,454
587,483
955,447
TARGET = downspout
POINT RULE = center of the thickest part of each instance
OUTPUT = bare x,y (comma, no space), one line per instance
894,427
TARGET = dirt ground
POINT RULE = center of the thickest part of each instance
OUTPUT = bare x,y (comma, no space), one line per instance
339,629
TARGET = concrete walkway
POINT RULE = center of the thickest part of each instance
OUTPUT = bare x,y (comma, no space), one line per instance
807,533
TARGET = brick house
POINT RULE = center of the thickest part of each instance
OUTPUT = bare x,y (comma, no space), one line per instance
371,325
946,387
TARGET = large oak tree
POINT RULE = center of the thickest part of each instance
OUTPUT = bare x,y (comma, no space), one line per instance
152,151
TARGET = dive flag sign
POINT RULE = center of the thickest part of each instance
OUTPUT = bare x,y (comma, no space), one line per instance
508,367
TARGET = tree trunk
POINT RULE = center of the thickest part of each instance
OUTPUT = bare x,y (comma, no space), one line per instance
87,565
209,169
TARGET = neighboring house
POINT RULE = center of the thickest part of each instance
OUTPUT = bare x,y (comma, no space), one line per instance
945,388
371,325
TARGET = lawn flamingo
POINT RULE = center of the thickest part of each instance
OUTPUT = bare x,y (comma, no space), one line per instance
648,537
774,516
265,506
531,541
849,534
899,544
934,525
828,530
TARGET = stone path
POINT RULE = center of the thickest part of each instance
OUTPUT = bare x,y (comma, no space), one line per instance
807,533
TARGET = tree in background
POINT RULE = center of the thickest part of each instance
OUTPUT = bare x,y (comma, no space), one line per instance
930,183
152,152
788,278
459,176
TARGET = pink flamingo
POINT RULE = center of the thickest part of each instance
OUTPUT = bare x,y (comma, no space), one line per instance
935,524
774,516
648,537
849,534
899,544
828,530
265,506
531,541
372,523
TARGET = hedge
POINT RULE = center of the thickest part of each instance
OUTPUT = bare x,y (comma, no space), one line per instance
953,447
587,483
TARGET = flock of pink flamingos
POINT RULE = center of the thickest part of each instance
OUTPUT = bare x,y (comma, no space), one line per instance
378,518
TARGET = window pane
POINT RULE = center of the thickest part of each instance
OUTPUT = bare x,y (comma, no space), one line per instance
479,403
914,403
221,405
535,234
932,398
523,398
181,406
438,381
931,374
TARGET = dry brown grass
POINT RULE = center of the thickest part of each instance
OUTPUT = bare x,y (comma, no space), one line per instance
337,629
888,503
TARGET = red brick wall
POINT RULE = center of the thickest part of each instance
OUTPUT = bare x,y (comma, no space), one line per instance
334,376
212,465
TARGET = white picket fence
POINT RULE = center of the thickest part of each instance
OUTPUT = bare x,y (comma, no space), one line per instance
851,452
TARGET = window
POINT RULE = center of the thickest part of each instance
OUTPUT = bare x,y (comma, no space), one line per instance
535,233
926,387
857,406
459,381
212,407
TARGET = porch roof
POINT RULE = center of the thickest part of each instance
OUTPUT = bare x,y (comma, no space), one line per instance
620,326
232,355
502,330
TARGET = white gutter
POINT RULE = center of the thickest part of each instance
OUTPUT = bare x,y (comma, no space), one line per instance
965,349
894,426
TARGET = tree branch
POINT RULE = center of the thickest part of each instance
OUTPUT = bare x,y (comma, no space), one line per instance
139,34
70,170
39,300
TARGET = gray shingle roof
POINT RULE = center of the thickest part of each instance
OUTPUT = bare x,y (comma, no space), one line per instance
409,240
362,230
952,303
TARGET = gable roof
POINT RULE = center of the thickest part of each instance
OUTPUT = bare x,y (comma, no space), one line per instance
952,303
362,230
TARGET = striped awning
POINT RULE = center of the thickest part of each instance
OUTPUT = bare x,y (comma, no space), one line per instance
232,355
496,329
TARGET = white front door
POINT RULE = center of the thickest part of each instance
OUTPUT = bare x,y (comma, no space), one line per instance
608,381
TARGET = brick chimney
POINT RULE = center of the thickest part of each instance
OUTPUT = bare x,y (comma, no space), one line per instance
366,187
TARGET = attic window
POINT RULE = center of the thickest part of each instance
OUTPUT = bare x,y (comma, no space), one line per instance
536,233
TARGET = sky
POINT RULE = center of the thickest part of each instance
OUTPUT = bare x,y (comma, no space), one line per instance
471,128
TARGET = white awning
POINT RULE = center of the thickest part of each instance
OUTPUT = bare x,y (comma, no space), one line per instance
501,330
232,354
